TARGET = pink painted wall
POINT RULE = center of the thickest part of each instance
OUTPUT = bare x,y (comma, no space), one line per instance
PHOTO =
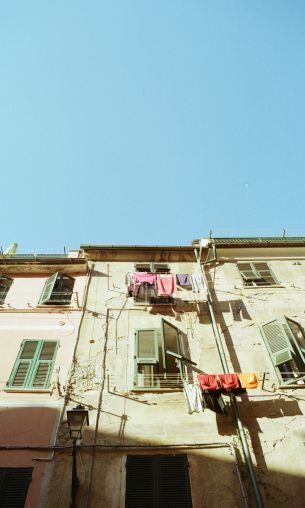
30,418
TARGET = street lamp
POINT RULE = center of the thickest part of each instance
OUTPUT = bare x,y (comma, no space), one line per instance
77,418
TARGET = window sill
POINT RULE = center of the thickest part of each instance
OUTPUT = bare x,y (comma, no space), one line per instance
156,390
291,386
26,390
271,286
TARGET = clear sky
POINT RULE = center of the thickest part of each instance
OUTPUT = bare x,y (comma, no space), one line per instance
150,121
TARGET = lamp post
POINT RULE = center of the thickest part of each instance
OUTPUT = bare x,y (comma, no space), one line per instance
77,418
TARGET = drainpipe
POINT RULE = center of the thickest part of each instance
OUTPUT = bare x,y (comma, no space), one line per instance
238,423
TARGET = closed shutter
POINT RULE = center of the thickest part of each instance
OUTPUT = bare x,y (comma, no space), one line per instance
14,484
44,366
48,288
147,346
174,484
277,342
157,481
23,366
140,485
34,364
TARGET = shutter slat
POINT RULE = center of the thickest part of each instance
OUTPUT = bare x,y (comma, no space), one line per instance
21,373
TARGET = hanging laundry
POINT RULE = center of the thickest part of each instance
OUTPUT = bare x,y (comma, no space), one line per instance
198,283
193,397
228,381
248,380
140,278
208,381
214,402
166,284
183,279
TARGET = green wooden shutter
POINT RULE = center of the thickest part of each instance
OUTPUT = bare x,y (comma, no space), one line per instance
34,365
44,365
21,372
48,288
14,484
265,273
5,284
147,346
277,342
248,272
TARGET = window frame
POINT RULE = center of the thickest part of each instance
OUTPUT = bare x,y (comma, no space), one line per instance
160,332
6,287
256,274
291,346
34,363
48,290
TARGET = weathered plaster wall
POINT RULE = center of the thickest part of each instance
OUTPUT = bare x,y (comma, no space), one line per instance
103,381
274,417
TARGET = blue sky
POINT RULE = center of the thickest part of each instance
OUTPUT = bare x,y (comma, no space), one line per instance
150,122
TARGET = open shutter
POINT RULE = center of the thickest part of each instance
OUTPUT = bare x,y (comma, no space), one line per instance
171,335
44,365
277,342
48,288
23,366
14,484
5,284
140,482
147,346
248,272
265,273
173,482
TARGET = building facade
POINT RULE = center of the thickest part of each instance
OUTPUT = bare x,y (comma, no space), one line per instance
149,323
40,311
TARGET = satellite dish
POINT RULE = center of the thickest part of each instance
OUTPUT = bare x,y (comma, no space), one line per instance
11,250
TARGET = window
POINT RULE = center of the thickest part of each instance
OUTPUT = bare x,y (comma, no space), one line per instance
147,294
57,289
34,365
256,274
14,484
5,284
152,268
158,358
286,345
157,481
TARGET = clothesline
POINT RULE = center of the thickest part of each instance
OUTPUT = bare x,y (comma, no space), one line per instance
166,284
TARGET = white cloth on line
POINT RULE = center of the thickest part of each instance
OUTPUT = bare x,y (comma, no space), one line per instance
193,397
198,284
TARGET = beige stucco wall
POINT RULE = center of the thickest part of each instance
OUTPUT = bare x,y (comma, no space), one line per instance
274,417
103,380
30,418
153,422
